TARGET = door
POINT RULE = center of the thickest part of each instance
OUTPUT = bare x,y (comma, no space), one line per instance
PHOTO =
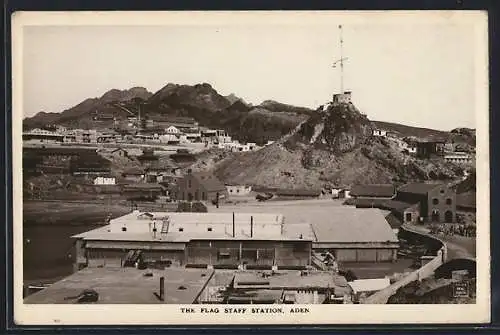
448,216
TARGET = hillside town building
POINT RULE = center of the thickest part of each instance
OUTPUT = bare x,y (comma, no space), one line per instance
458,158
202,186
437,202
235,190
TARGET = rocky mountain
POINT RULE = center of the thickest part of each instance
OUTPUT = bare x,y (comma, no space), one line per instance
332,147
83,114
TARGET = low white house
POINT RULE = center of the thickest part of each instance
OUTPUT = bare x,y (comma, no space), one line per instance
238,190
105,181
379,133
172,130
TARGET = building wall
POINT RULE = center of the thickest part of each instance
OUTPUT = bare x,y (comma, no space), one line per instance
249,252
133,178
413,198
364,254
191,190
105,181
115,257
443,200
238,189
411,215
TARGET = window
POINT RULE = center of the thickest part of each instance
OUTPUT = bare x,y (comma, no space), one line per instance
203,196
189,183
435,201
448,201
209,229
408,217
124,228
223,255
442,191
181,230
249,254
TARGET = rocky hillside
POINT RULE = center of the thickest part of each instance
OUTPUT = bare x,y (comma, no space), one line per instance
332,147
458,135
267,121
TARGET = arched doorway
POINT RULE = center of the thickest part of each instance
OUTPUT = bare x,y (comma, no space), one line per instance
435,215
190,196
448,216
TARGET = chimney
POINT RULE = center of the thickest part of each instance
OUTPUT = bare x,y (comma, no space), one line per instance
162,288
251,226
233,226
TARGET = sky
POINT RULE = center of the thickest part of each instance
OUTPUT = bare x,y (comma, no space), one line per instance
415,74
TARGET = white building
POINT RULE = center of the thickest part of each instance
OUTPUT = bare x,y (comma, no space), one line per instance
169,138
172,130
379,133
105,181
458,158
238,190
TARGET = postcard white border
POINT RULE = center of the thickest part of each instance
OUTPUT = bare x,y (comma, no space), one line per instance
319,314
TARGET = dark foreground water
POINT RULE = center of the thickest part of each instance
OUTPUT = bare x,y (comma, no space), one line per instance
48,250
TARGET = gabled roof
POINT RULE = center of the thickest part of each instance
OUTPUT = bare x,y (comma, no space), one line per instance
298,192
134,171
419,188
144,186
209,181
373,190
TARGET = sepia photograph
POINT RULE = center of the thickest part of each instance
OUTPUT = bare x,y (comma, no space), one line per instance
250,167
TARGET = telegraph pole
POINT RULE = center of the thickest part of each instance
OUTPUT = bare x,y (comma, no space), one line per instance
341,62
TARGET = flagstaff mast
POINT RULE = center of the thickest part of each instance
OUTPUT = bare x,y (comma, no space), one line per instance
341,61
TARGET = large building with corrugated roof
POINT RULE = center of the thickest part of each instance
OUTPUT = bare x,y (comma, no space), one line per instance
198,239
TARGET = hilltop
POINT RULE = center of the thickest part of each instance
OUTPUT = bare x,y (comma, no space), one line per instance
332,147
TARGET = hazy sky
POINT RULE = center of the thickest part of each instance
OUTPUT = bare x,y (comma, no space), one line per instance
420,75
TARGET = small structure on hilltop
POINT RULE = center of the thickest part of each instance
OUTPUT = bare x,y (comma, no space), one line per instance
379,132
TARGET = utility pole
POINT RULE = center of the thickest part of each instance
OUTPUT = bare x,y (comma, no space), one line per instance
341,60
